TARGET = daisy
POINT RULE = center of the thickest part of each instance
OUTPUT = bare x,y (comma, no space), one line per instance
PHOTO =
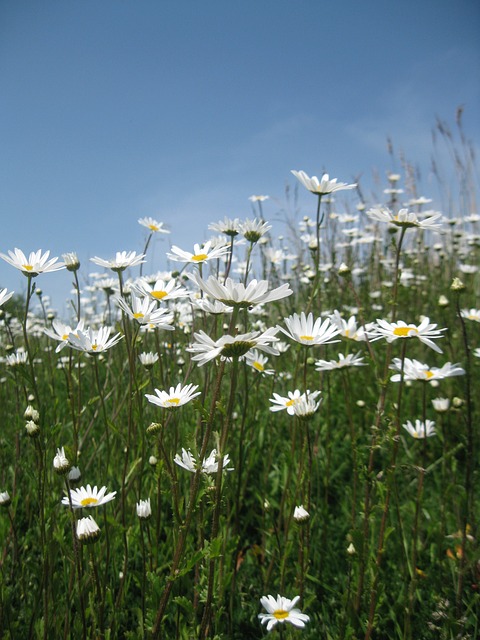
145,311
209,464
17,358
236,294
471,314
200,253
307,404
148,359
5,499
415,370
322,186
122,260
405,218
61,463
61,332
144,509
87,530
294,398
281,610
206,349
215,307
253,230
304,330
227,226
71,260
160,290
258,198
35,264
4,296
441,405
348,328
152,225
350,360
420,429
88,497
93,341
257,361
425,332
300,514
175,397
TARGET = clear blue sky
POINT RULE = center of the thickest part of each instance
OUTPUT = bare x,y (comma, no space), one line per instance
115,109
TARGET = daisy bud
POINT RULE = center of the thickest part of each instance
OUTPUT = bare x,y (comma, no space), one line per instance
360,403
351,549
457,402
344,270
457,285
153,461
144,509
443,301
88,530
32,429
441,405
300,514
61,464
153,428
5,499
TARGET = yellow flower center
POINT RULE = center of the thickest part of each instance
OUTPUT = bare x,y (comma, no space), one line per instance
306,338
429,374
347,333
472,317
65,336
88,501
153,227
290,403
94,347
138,315
404,332
200,257
259,367
174,401
159,295
27,267
280,614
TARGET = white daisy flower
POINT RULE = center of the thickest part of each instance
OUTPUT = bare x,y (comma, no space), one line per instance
420,429
471,314
61,332
206,349
350,360
35,264
144,509
152,225
93,341
215,307
160,290
258,361
145,311
201,253
305,330
415,370
441,405
209,464
148,359
348,328
405,218
426,332
87,530
88,497
122,260
253,230
175,397
281,610
227,226
4,296
300,514
322,186
236,294
61,463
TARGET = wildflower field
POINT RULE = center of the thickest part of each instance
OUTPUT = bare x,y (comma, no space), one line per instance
275,434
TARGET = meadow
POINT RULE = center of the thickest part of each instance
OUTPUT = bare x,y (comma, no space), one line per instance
293,416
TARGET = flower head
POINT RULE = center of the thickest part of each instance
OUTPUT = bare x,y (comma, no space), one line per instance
5,499
206,349
4,296
160,290
471,314
253,230
227,226
281,610
71,260
305,330
420,429
93,341
61,332
152,225
426,332
350,360
61,463
209,464
86,497
175,397
144,311
200,254
88,530
236,294
122,260
35,264
322,186
144,509
300,514
405,218
415,370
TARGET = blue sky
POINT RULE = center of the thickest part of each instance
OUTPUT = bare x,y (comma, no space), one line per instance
116,109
